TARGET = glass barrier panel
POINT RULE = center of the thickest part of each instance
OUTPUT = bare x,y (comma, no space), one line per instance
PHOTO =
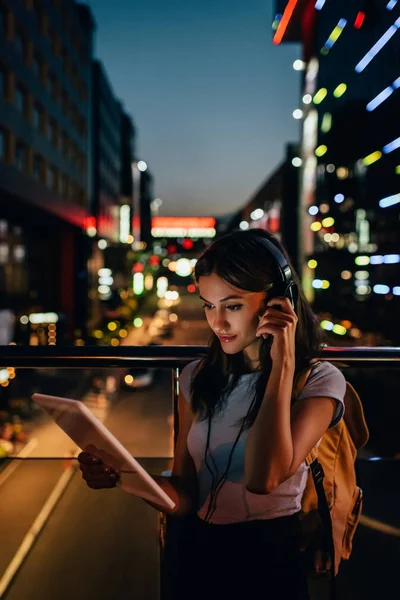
64,540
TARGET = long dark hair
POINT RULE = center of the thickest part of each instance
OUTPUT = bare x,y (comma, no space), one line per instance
242,260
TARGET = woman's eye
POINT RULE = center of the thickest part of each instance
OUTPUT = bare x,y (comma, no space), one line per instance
232,308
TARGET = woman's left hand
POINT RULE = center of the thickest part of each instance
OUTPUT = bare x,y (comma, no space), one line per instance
280,321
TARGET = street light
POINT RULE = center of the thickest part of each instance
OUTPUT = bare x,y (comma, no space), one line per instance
299,65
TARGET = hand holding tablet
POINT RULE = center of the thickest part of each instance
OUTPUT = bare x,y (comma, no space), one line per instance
95,470
97,442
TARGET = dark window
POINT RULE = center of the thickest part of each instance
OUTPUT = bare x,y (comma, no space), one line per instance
19,42
83,127
37,167
83,91
65,145
50,82
37,11
3,90
3,22
36,65
3,145
51,177
37,117
20,157
52,86
20,100
64,186
65,104
52,131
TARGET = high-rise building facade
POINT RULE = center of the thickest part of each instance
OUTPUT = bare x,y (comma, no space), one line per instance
350,174
107,155
45,179
273,206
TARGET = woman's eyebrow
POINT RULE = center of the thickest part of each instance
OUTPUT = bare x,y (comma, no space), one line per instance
233,297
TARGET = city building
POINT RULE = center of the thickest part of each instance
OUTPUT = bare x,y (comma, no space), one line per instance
143,203
107,156
112,201
274,204
349,177
45,178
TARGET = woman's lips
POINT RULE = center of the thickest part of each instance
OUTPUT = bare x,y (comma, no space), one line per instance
226,338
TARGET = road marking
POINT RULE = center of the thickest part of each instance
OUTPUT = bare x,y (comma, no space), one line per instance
45,512
23,454
379,526
36,528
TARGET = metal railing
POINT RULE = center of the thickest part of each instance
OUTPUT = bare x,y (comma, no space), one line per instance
164,356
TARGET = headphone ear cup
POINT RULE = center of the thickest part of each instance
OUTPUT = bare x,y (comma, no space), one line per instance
292,292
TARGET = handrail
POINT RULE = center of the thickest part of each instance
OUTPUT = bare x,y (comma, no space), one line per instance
162,356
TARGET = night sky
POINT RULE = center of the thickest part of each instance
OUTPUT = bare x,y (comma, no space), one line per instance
211,96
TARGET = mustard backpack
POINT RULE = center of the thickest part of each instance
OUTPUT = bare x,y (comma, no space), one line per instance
332,501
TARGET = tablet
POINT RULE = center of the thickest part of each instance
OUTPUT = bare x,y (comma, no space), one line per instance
80,424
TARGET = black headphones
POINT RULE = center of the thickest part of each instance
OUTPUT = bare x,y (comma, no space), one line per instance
285,287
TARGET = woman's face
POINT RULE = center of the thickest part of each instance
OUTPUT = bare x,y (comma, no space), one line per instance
232,314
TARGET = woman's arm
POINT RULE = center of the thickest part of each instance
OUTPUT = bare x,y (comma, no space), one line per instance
280,439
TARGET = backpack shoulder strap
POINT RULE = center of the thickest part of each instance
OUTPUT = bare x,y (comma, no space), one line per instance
299,384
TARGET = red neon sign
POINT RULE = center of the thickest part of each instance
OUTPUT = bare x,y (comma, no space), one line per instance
359,20
89,222
284,22
182,222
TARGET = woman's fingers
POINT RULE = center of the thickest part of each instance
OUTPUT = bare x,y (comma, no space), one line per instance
98,469
271,325
284,305
96,473
85,458
100,483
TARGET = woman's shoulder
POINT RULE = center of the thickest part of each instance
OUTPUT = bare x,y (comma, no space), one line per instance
185,377
325,380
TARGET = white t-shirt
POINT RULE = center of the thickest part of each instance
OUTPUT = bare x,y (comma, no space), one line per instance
234,502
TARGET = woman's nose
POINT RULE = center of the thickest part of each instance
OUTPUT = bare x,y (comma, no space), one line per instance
220,323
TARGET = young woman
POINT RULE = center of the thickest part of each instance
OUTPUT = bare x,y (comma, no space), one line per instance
240,455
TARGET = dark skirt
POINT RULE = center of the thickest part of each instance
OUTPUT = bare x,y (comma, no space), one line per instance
255,559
